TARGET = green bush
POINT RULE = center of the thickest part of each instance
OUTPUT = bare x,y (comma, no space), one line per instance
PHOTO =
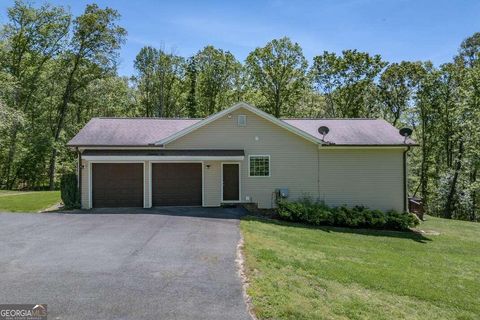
305,210
400,220
318,213
69,190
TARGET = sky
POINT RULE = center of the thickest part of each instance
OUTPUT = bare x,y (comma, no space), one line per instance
396,29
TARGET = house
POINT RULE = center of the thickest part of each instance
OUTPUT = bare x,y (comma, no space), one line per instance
238,155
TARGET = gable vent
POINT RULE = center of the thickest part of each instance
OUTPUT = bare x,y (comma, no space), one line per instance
242,120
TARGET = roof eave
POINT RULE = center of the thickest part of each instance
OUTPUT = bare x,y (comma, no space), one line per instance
371,145
96,146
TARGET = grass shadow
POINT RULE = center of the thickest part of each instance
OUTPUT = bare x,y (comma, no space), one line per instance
408,235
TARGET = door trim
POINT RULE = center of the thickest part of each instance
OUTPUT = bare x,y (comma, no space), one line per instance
150,200
90,203
239,183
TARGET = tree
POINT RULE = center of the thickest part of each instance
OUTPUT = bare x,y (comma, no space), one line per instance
278,72
159,79
469,57
469,52
105,97
397,88
91,55
191,87
11,118
145,64
425,123
449,136
30,39
348,82
215,79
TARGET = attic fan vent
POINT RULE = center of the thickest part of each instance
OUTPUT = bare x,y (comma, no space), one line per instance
242,120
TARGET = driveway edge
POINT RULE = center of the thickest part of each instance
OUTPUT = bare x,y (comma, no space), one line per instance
240,260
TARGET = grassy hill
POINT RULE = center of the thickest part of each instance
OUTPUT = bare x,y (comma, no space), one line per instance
297,272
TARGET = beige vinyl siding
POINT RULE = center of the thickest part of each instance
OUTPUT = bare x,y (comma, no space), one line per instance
368,177
293,160
84,184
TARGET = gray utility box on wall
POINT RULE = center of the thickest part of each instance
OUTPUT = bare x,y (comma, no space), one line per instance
282,193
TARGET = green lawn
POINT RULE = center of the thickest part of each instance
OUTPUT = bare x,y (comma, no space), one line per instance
297,272
28,201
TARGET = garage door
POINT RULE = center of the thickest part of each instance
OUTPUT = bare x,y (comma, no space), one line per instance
177,184
117,185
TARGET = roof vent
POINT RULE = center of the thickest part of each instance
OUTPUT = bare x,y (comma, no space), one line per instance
405,132
242,120
323,130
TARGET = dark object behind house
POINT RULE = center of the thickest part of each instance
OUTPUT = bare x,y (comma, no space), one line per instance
317,213
69,190
415,205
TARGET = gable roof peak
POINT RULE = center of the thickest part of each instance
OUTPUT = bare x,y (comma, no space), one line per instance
236,106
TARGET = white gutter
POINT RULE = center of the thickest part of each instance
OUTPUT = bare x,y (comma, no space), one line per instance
162,158
360,147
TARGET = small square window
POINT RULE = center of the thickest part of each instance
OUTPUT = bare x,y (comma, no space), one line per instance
259,166
242,120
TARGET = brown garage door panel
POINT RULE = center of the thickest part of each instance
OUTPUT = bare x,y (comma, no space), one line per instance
117,185
177,184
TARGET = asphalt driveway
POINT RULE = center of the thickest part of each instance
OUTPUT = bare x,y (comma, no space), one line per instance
176,263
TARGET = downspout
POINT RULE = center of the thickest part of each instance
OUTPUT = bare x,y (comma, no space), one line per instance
405,180
318,172
79,175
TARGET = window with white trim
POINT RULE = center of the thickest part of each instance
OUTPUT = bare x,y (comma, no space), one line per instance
259,166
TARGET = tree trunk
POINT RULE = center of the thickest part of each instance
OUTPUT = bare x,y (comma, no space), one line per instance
395,119
51,171
424,165
424,178
473,180
9,181
277,104
447,213
62,111
58,130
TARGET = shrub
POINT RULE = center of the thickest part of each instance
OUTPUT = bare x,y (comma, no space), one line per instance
305,210
400,221
69,190
318,213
